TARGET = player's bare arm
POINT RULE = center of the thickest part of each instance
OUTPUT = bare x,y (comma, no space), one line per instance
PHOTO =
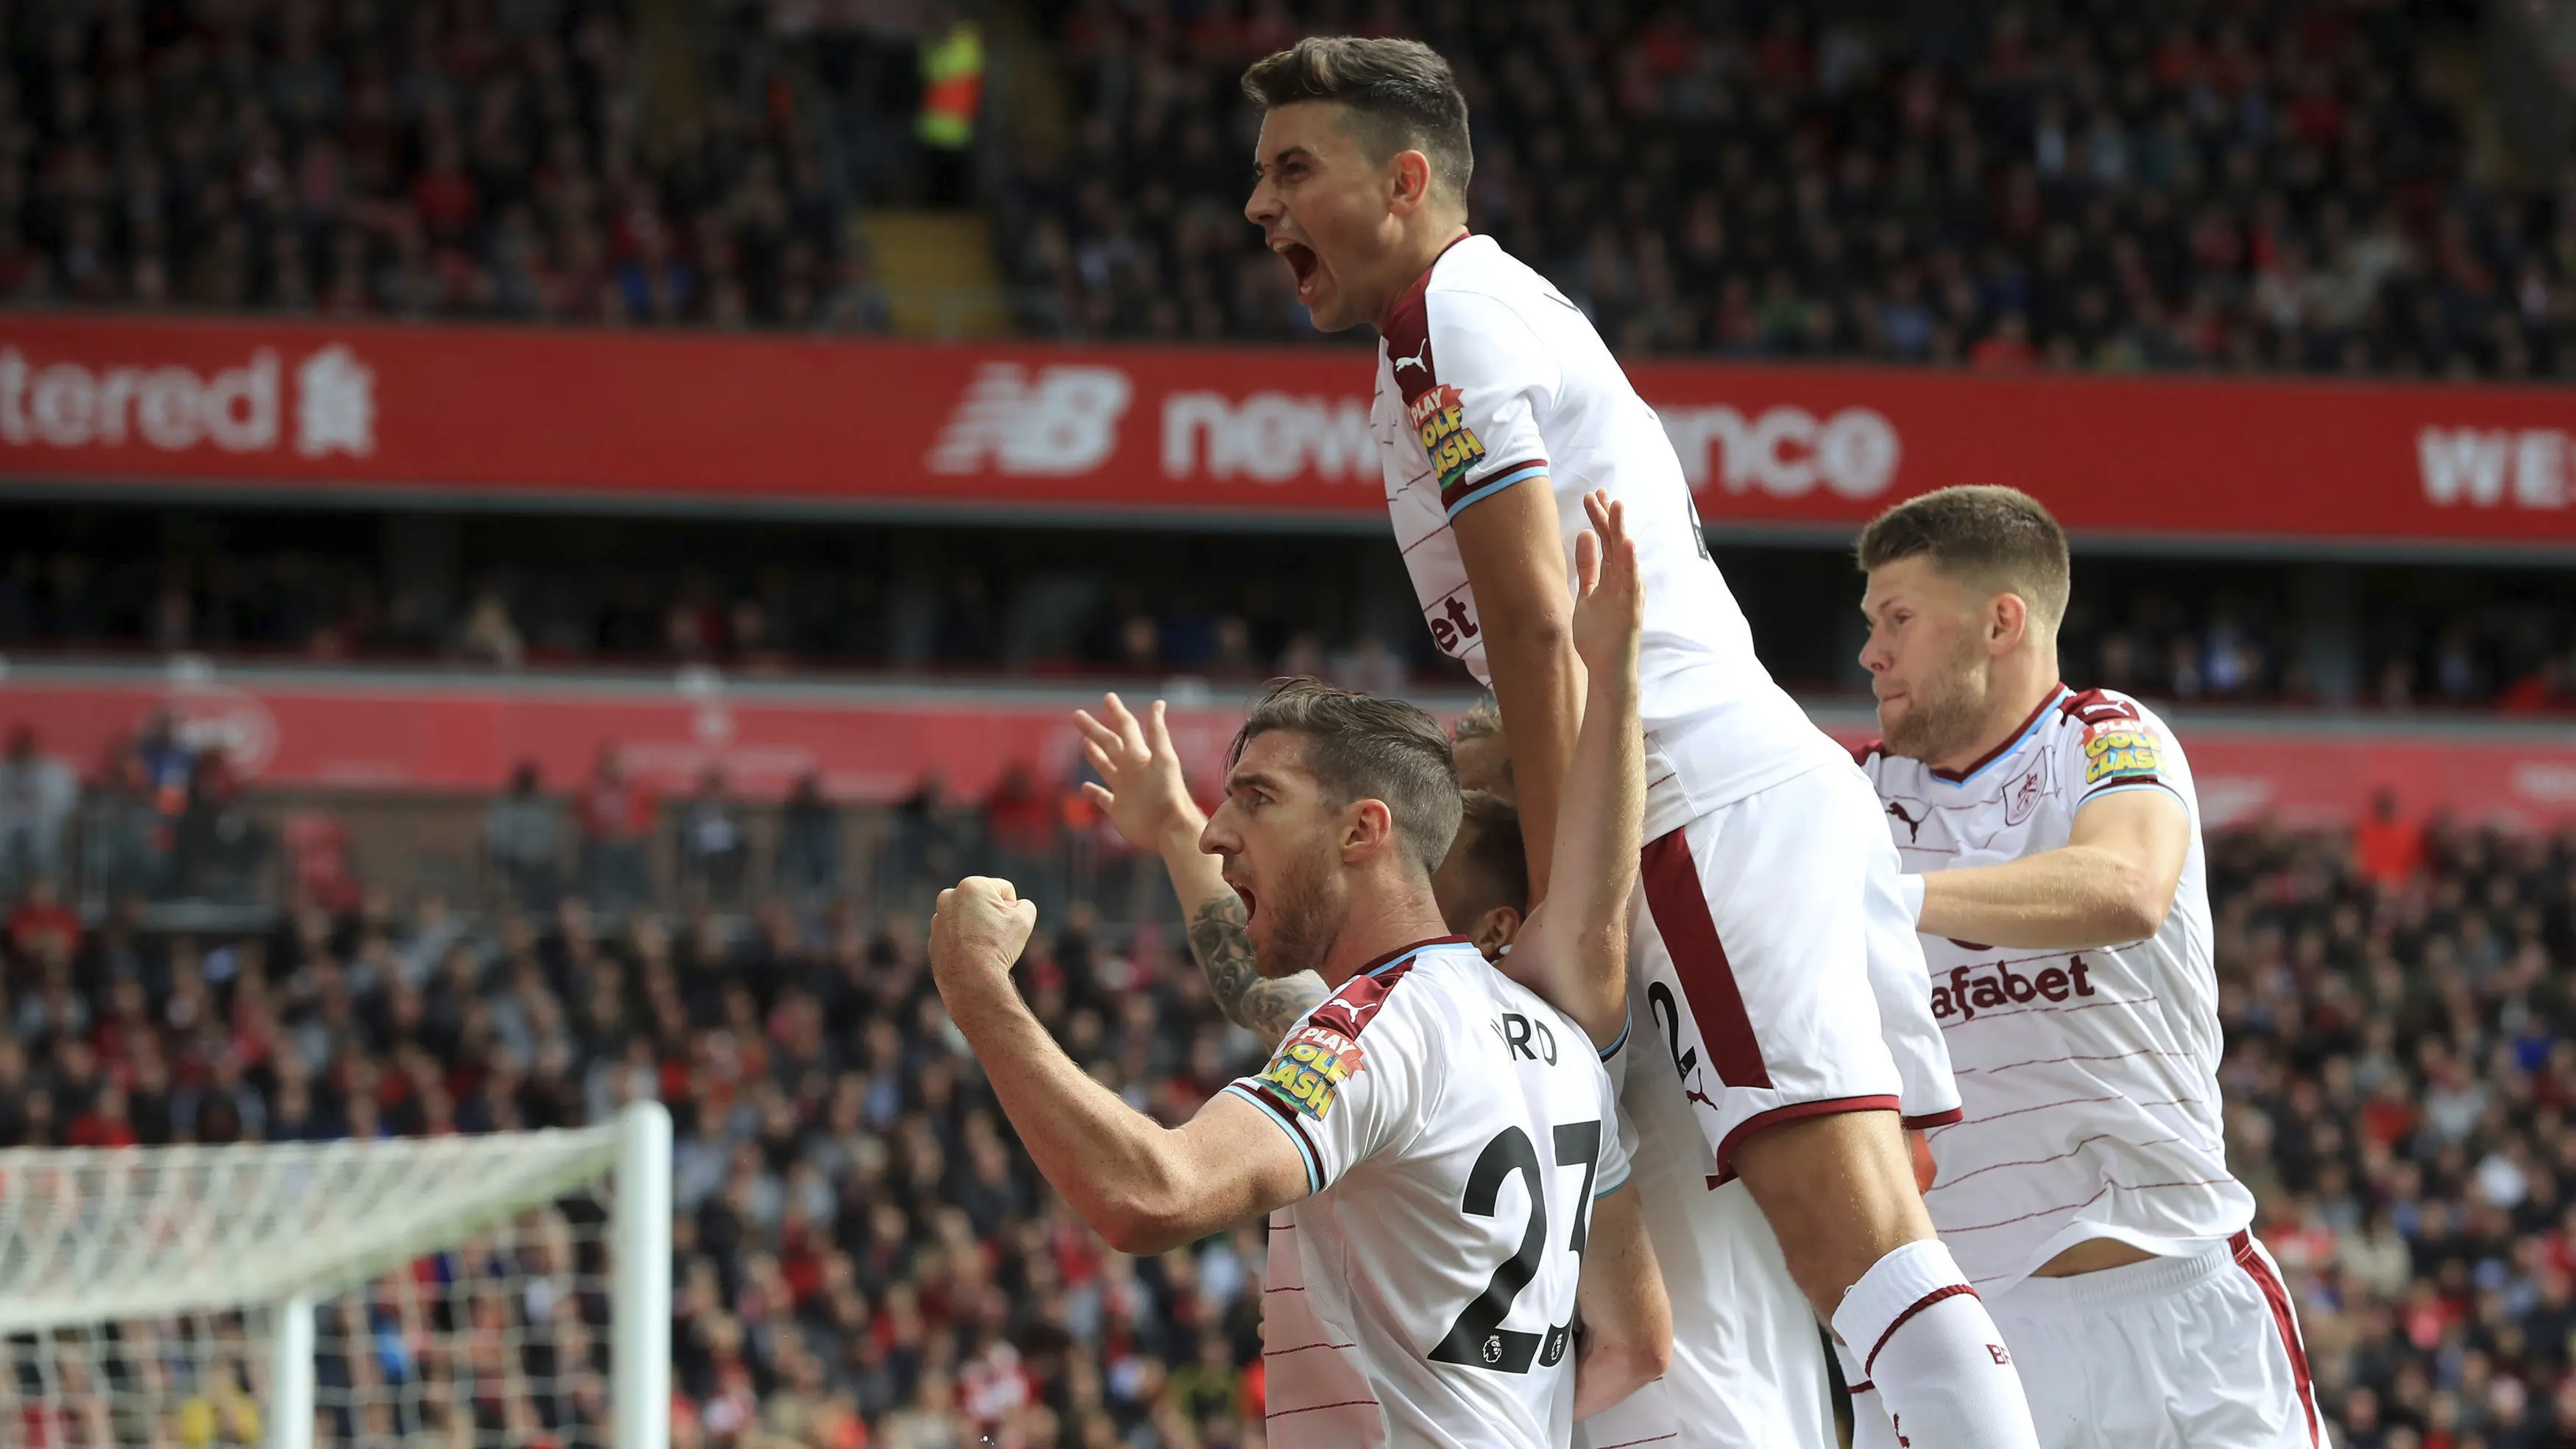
1626,1338
1515,558
1146,796
2111,883
1146,1188
1574,950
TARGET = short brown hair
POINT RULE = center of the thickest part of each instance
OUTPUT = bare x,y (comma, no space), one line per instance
1489,830
1399,94
1362,747
1999,538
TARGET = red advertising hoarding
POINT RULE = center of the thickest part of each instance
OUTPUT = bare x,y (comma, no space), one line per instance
349,730
617,418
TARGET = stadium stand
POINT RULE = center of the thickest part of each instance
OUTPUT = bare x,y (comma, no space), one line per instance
2265,188
410,161
2202,634
2282,188
865,1258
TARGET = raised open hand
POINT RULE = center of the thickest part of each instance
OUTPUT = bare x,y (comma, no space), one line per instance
1145,794
1610,599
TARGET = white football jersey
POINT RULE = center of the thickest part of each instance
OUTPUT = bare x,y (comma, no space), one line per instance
2089,1078
1456,1129
1488,377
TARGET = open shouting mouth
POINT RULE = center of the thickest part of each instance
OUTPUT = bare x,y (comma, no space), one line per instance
1302,262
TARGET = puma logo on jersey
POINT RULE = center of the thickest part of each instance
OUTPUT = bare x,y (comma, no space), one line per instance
1913,823
1694,1094
1421,358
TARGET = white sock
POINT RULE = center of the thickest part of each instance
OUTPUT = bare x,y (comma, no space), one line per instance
1870,1429
1932,1355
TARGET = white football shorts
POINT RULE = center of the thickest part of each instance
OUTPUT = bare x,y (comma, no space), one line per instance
2200,1352
1780,968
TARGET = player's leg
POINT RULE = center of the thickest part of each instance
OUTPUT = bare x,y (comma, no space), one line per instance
1746,1372
2271,1380
1760,954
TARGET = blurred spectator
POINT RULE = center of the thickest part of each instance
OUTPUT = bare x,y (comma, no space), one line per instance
809,844
218,846
523,841
2389,846
616,832
488,636
37,796
41,926
924,845
1019,821
124,841
714,851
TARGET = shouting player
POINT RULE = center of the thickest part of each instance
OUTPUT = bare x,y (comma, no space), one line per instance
1772,915
1481,889
2066,921
1448,1141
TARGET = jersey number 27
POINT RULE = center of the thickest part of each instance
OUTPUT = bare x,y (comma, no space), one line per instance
1478,1339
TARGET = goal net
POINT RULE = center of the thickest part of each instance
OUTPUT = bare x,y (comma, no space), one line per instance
507,1289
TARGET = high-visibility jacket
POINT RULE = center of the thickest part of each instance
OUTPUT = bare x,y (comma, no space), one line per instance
952,87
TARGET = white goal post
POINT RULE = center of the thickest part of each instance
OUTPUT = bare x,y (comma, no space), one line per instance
507,1288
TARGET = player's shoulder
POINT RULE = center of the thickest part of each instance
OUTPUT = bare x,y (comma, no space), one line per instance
2117,740
2082,707
1478,287
1395,992
1885,768
2086,715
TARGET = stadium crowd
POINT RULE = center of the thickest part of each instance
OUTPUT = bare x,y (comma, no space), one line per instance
2282,186
1323,607
864,1258
532,159
2277,186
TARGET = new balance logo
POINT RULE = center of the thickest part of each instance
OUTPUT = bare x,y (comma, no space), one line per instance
1421,358
1062,422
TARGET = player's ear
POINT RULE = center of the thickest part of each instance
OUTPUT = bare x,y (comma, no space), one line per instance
1367,828
1409,179
2007,620
1495,931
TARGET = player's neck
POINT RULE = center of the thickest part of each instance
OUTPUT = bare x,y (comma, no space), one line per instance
1413,256
2022,684
1380,928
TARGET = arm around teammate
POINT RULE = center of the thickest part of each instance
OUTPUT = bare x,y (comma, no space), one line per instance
1626,1340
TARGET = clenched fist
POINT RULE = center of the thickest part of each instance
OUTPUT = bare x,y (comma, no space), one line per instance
979,929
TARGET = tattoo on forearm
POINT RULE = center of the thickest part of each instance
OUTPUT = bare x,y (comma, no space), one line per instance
1223,947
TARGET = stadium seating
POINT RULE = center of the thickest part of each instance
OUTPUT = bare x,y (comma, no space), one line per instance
2068,185
2270,188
